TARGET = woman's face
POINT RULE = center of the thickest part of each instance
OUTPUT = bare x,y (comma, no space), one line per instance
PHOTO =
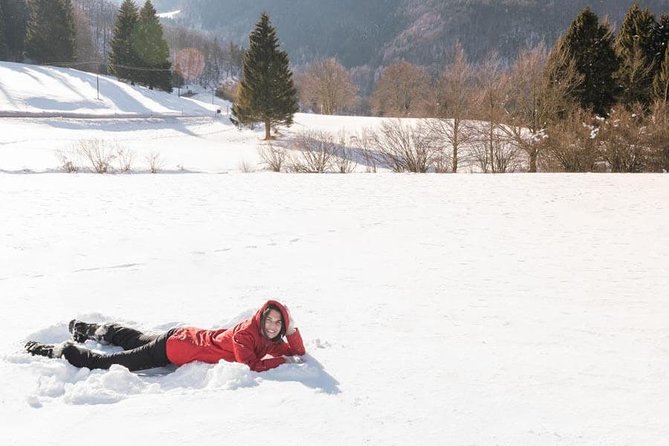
273,323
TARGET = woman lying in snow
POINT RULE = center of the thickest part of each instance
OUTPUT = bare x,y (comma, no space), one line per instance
247,342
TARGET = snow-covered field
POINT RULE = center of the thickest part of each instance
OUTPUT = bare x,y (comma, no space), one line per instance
436,309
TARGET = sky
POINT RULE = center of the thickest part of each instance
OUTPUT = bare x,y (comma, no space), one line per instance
435,309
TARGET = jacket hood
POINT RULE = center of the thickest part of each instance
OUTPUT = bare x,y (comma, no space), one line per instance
258,318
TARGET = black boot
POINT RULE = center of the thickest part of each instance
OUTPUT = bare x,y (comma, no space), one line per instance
35,348
82,331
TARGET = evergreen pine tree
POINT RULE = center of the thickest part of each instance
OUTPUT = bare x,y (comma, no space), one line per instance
3,43
16,19
634,46
50,36
590,45
660,42
151,50
661,81
266,91
122,58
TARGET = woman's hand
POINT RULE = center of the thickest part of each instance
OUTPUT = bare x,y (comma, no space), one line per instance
290,329
293,360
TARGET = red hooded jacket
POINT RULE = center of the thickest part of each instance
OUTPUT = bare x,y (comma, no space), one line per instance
243,343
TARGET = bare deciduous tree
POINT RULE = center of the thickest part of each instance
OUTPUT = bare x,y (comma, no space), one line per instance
492,141
86,54
454,101
402,90
101,16
327,87
526,115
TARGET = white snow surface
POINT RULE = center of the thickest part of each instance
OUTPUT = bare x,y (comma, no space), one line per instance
436,309
169,14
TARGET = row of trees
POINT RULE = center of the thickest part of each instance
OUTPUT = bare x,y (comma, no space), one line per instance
42,29
626,68
139,52
55,32
80,33
202,60
530,108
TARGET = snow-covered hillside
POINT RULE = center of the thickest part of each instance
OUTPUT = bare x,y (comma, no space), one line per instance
436,309
33,90
51,110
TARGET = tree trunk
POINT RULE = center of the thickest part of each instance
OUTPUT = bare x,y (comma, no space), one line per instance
533,160
456,144
268,130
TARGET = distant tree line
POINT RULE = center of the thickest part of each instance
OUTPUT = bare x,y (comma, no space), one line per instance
87,34
139,53
375,33
595,100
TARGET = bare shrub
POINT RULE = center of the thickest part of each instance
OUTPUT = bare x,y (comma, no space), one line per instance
364,143
68,161
345,159
125,159
246,167
570,145
316,152
97,153
621,140
404,147
657,137
154,161
273,156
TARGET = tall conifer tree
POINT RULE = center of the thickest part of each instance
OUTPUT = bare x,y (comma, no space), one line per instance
660,42
151,50
16,20
661,81
3,42
634,45
122,57
590,45
50,36
266,92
